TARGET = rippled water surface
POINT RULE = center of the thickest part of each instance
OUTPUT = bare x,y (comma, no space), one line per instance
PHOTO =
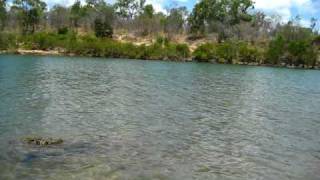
132,119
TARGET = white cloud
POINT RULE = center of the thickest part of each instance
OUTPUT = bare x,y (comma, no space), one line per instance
158,5
286,8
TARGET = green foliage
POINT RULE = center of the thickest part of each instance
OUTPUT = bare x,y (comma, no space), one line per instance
63,30
228,12
90,45
3,14
102,29
7,41
147,19
76,13
249,54
275,50
182,50
227,52
293,46
301,52
316,42
41,41
31,12
205,52
175,20
293,32
129,8
148,11
162,41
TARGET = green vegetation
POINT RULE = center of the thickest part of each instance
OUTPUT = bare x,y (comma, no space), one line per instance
228,52
90,45
293,46
228,31
102,29
215,16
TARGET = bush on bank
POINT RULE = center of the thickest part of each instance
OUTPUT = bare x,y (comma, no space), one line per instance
90,45
228,52
293,53
8,41
278,52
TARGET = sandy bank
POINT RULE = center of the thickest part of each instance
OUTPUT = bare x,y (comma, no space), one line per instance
38,52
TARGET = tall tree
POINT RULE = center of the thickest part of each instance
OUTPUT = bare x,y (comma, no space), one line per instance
76,13
146,19
3,14
58,17
313,23
175,20
217,14
102,29
129,8
31,12
98,9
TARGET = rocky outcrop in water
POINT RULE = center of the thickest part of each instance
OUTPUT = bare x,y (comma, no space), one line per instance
42,141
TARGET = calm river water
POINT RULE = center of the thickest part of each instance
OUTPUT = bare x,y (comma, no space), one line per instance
132,119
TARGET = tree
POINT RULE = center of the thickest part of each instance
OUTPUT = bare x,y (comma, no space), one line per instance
313,23
129,8
175,20
98,9
102,29
31,12
292,31
219,15
276,50
58,17
76,13
3,14
94,3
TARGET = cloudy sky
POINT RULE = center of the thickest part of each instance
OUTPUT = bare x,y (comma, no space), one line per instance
286,8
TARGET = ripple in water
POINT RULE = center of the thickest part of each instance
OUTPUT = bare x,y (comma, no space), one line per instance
131,119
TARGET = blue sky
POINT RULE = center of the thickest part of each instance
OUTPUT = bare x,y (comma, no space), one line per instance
287,9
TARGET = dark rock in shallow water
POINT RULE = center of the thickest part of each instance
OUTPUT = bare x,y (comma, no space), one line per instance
42,141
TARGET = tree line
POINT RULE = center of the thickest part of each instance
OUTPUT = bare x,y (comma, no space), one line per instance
233,31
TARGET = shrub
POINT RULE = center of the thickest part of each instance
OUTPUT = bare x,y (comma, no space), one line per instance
247,53
275,50
7,41
102,29
162,41
183,51
293,52
302,52
226,52
205,52
63,30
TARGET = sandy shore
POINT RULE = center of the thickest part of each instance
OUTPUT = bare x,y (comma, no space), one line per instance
38,52
33,52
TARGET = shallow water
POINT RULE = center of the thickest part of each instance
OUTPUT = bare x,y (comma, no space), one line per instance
132,119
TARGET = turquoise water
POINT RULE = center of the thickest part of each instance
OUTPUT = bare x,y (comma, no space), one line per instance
132,119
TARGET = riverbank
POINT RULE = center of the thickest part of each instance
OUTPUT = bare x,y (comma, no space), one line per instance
277,53
64,53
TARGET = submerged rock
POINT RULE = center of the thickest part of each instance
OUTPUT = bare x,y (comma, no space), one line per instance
203,169
43,141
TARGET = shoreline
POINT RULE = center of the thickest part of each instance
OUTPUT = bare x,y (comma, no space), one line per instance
60,53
